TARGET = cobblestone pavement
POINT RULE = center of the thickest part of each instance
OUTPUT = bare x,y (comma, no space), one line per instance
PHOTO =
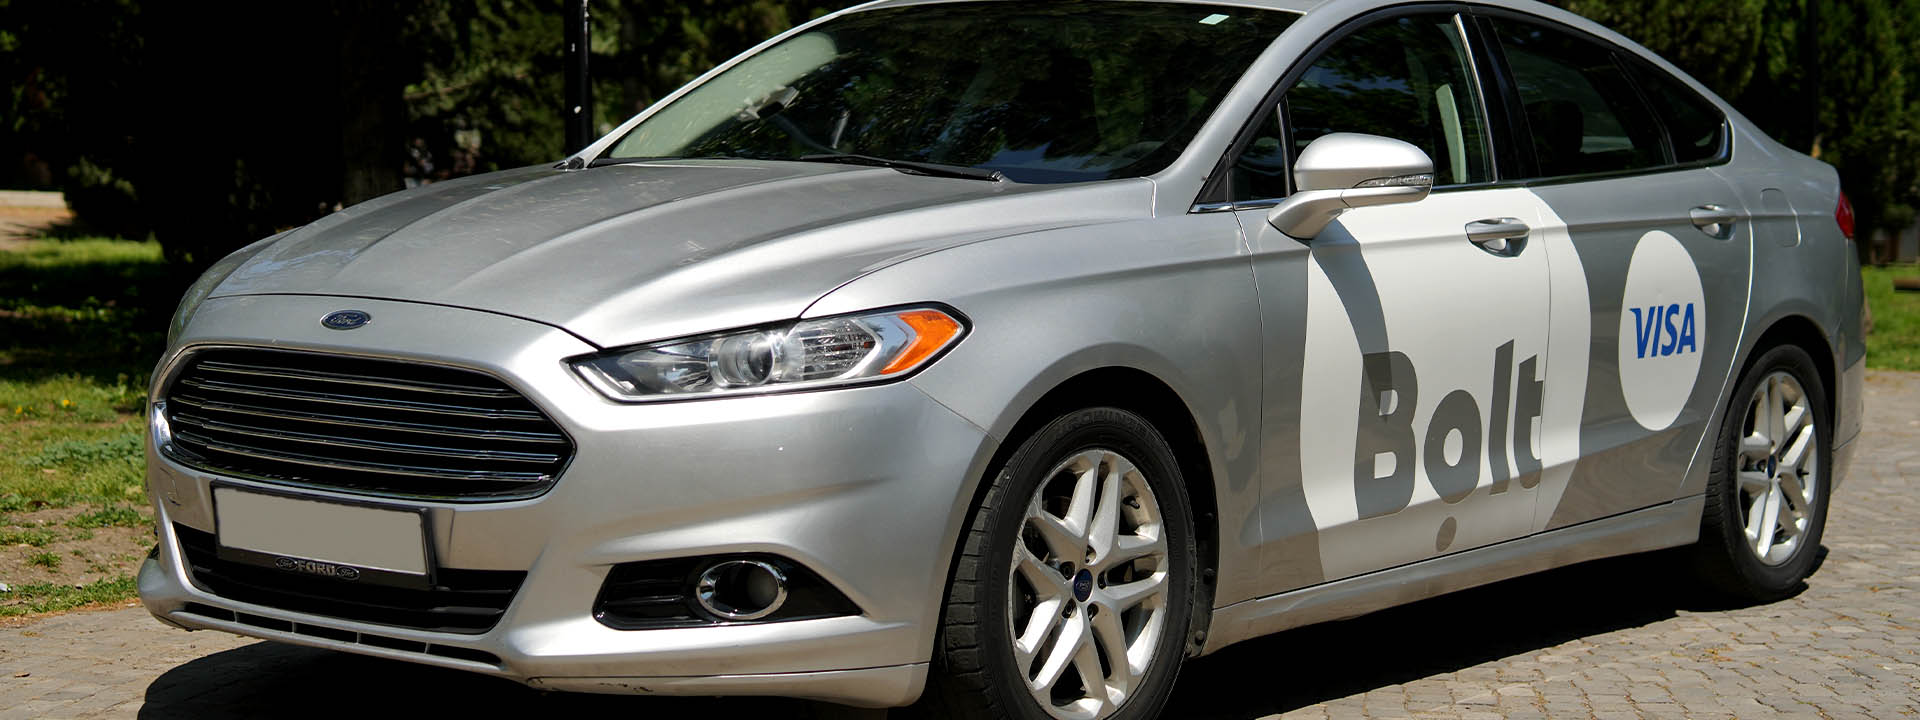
1601,640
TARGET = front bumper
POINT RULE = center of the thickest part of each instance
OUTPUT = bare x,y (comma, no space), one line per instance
863,486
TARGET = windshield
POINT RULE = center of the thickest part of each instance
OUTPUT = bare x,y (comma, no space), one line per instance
1043,93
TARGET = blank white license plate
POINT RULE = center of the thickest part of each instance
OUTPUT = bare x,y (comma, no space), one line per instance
364,537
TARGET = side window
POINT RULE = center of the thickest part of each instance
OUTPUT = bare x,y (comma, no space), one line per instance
1260,173
1695,127
1409,78
1585,115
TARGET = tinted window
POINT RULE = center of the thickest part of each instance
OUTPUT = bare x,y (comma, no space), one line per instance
1408,78
1695,127
1260,173
1584,115
1042,92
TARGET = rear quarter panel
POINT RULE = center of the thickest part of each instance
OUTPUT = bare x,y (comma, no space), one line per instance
1802,266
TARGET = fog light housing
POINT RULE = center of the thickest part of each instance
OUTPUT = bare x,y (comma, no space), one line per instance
715,590
741,590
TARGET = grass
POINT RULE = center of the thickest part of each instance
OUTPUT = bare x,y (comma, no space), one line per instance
81,323
1894,343
51,597
34,537
111,516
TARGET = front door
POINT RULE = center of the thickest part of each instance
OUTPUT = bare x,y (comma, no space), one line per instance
1406,347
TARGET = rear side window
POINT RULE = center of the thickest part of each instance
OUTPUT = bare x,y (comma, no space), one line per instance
1584,114
1696,128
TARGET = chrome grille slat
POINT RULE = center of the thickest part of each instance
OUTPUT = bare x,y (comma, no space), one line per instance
361,425
400,448
346,379
362,402
244,409
262,454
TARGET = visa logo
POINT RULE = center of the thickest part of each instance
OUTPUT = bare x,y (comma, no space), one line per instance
1662,331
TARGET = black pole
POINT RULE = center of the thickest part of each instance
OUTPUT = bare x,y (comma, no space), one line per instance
579,110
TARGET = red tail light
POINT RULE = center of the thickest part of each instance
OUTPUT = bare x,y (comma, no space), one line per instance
1843,214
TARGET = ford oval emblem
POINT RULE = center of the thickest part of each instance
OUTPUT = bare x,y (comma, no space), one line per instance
346,319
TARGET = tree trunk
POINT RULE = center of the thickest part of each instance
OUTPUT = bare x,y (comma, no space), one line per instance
371,106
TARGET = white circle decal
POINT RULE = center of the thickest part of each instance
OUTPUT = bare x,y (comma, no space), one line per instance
1663,323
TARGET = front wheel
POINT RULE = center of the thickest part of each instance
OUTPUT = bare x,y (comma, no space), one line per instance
1072,594
1767,498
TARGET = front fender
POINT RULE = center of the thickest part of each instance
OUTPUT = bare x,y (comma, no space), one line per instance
1171,297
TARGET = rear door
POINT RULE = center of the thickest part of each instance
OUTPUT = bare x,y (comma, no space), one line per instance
1660,241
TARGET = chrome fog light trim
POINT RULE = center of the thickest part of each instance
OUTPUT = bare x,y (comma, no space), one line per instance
741,589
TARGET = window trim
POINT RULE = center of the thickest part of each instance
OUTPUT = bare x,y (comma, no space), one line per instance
1622,58
1216,194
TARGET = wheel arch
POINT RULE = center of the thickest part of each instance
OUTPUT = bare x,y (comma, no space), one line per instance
1801,331
1154,399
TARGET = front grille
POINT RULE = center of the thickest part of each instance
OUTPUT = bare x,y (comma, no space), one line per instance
361,425
461,601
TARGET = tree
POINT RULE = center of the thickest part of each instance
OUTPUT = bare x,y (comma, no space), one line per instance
212,124
1839,81
209,125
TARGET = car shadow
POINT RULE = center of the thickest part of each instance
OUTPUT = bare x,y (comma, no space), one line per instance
1306,666
268,679
1260,677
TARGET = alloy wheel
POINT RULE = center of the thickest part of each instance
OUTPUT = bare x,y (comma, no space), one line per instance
1089,586
1779,468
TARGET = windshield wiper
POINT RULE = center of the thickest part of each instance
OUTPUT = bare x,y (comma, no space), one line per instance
910,166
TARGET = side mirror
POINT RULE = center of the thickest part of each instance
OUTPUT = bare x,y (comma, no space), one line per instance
1350,170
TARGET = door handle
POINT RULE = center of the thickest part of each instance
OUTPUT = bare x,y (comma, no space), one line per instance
1492,235
1714,220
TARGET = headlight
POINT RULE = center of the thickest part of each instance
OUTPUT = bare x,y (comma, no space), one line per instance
824,352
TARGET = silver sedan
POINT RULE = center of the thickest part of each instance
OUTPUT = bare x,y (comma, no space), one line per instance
997,357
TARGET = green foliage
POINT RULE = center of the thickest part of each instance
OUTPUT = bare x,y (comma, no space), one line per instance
1839,81
226,151
35,537
1894,343
77,340
46,560
55,462
487,95
450,87
110,516
108,202
1716,41
52,597
92,311
81,455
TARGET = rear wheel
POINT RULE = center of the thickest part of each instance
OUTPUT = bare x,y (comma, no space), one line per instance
1767,499
1071,597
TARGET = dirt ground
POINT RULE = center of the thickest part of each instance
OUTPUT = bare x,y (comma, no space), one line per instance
41,547
19,224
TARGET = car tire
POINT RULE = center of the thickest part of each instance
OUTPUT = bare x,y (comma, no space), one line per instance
1010,624
1766,500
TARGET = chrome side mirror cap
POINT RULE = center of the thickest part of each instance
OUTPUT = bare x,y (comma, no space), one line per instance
1341,171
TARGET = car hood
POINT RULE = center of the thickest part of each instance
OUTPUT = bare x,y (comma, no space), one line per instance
630,253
